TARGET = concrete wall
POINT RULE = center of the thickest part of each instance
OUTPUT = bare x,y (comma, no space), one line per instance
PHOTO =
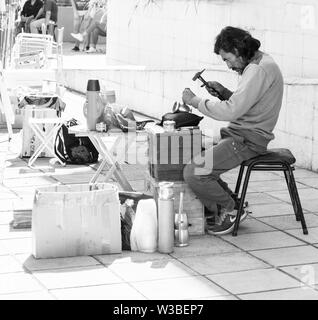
157,49
181,33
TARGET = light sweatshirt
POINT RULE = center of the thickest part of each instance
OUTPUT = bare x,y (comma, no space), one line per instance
253,109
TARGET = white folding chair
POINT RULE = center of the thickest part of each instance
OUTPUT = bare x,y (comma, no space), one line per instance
30,45
46,137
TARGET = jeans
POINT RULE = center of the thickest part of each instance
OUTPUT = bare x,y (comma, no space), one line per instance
204,179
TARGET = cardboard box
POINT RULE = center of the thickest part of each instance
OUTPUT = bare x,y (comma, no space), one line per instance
76,220
169,152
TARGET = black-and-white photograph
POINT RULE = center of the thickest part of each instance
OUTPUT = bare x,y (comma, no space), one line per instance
158,154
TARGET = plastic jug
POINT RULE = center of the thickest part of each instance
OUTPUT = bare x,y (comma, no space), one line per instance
143,235
93,106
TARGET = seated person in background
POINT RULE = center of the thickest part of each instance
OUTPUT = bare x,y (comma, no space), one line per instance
80,9
47,15
28,13
96,28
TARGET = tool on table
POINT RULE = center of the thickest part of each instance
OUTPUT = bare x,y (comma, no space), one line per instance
198,76
181,225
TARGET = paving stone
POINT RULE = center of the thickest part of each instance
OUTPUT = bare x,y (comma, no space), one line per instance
3,250
271,209
131,256
260,198
306,273
74,178
289,222
121,291
152,270
254,281
308,182
8,264
311,237
288,256
265,240
269,186
303,173
221,263
37,295
304,195
7,232
30,181
252,226
7,194
18,282
303,293
16,204
33,264
24,192
203,245
6,217
255,176
263,176
180,288
76,277
13,246
311,205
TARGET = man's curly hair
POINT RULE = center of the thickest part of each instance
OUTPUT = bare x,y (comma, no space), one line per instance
231,38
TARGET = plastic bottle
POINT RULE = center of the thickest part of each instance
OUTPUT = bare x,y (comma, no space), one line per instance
165,217
93,106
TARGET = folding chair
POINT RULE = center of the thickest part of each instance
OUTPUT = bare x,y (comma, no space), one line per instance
46,136
30,44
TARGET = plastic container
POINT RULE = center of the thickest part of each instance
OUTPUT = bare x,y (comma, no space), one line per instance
93,106
166,218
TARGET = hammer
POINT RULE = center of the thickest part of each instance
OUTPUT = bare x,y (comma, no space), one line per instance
205,84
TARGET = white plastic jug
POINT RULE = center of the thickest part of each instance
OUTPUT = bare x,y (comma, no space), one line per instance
143,236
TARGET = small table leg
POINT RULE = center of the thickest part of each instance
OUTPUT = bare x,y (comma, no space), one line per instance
115,168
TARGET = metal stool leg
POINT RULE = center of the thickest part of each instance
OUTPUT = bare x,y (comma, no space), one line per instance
291,194
297,200
238,182
242,198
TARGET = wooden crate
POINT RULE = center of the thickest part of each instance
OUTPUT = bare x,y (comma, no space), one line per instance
192,205
169,152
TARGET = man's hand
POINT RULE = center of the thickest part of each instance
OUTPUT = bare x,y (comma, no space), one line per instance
188,97
215,88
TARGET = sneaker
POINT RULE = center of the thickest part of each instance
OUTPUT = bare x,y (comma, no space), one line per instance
91,50
77,36
75,49
224,223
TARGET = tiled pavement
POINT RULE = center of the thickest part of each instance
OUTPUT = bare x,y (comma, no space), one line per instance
269,259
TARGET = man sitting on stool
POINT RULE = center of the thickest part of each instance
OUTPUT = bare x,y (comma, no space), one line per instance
252,110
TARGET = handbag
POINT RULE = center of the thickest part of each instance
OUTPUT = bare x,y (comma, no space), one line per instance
182,119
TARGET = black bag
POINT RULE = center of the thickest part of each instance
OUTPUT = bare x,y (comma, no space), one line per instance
128,206
74,150
182,119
